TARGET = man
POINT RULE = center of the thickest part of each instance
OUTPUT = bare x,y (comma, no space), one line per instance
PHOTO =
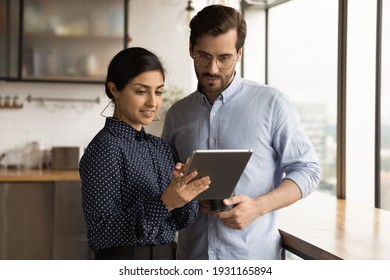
228,112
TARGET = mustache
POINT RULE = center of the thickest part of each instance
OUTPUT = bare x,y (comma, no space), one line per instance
208,75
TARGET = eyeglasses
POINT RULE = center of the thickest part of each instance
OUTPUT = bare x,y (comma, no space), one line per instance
223,61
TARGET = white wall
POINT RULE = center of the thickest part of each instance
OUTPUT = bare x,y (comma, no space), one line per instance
57,124
152,25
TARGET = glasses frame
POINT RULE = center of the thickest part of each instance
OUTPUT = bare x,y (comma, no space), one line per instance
212,59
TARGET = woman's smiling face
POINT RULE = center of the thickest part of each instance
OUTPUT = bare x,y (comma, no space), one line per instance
138,103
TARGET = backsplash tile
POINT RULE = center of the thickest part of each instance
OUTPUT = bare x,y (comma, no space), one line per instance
54,123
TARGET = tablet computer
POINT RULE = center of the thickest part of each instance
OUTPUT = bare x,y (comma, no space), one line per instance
224,168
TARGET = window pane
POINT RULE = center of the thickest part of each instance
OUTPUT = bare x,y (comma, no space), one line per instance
385,104
303,64
254,53
360,111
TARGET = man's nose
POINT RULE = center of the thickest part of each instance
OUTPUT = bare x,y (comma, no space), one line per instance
213,66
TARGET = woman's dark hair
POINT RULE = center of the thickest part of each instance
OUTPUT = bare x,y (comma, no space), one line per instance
215,20
128,64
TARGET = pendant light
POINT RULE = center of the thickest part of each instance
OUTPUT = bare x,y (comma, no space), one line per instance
184,18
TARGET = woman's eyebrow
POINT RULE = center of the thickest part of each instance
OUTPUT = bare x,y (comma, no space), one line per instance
146,86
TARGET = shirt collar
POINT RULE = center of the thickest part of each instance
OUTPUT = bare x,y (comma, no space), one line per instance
125,130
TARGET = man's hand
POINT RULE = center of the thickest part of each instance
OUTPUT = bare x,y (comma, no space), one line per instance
246,210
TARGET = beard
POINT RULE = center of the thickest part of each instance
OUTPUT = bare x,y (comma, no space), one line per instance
212,84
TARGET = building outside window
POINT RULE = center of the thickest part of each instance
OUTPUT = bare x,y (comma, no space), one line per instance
302,62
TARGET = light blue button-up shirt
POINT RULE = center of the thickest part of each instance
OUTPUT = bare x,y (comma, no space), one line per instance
247,115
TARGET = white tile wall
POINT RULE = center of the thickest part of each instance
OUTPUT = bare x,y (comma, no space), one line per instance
55,123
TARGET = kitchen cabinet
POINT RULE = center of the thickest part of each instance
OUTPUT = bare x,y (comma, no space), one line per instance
9,38
26,221
42,220
69,41
69,229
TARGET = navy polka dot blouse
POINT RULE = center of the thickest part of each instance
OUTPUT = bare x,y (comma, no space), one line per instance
123,173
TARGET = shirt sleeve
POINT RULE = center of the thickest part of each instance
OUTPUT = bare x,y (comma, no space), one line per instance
298,160
186,215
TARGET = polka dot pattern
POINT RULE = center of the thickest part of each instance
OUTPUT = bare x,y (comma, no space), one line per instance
123,173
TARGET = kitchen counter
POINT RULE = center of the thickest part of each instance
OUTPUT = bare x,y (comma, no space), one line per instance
325,228
36,175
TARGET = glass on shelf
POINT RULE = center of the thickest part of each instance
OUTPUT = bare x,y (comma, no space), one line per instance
71,40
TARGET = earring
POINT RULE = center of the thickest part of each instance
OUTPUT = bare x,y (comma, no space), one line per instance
105,108
157,118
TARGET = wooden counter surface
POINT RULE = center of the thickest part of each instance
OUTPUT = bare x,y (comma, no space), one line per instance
35,175
324,227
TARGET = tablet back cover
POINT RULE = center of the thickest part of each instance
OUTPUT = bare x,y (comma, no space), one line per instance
224,167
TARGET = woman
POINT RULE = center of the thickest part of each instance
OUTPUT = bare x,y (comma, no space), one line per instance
134,196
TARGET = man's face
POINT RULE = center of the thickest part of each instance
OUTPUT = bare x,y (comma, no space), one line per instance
214,77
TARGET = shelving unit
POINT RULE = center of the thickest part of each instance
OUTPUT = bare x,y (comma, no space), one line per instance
61,41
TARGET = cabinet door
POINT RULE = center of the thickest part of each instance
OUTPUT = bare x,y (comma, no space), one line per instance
9,39
4,37
26,221
71,40
71,247
70,232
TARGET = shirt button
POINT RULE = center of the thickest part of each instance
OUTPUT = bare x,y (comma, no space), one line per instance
211,224
212,252
212,141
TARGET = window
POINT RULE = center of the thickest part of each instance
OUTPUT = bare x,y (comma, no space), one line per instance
385,113
302,59
360,111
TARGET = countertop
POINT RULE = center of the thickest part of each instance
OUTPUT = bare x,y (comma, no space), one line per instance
324,227
36,175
